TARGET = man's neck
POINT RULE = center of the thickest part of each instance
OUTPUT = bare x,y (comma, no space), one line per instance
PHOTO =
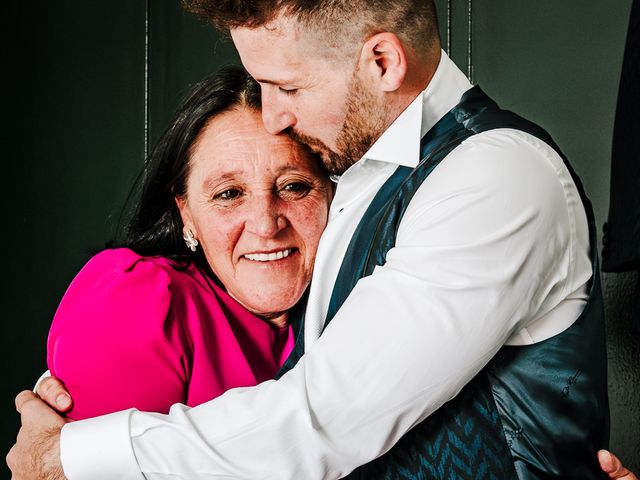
419,75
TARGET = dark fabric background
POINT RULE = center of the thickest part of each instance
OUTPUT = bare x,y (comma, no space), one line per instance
621,250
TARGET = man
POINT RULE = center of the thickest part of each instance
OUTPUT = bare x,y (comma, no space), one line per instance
444,265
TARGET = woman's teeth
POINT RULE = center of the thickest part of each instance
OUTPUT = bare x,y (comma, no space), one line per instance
268,257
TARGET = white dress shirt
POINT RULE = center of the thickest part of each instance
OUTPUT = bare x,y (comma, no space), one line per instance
492,249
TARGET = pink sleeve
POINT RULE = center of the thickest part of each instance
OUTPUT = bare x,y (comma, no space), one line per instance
114,341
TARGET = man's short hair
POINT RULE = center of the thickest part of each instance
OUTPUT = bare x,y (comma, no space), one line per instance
413,21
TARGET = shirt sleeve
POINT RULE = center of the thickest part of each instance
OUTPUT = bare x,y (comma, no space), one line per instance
484,248
114,340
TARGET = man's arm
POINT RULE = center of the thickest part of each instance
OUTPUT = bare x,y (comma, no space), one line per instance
36,454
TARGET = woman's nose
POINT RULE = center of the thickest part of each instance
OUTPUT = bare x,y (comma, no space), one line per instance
265,219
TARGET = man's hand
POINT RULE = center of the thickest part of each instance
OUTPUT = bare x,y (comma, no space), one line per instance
36,454
613,467
52,392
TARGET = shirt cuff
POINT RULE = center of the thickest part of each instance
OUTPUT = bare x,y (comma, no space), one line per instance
99,449
46,374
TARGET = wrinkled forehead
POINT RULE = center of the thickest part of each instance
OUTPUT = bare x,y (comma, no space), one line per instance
240,134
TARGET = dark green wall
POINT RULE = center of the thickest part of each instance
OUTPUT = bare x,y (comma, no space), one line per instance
72,145
88,84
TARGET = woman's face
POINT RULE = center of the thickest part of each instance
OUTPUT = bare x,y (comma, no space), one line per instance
257,203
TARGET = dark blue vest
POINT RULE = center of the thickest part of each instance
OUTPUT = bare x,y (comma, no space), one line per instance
534,412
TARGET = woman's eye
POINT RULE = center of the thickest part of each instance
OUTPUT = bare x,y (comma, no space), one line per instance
296,188
229,194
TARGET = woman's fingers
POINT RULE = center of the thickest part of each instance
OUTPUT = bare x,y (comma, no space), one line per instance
52,391
613,467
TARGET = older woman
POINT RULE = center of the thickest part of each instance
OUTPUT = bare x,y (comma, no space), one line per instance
221,245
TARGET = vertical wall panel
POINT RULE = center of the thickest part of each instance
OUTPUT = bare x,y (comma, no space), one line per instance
76,82
182,50
558,63
459,29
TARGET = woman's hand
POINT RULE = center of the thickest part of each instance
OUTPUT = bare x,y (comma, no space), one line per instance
613,467
52,392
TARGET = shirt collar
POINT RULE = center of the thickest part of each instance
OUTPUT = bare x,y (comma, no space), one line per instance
400,143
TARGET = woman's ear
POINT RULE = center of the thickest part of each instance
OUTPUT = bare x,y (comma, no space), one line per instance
384,59
185,212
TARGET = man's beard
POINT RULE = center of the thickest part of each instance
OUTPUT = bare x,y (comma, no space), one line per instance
363,124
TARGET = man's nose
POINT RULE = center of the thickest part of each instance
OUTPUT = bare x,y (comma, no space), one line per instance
264,218
276,117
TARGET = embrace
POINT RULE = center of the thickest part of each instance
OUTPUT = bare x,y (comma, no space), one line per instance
400,275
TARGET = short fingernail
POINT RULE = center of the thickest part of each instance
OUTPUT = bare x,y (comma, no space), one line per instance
606,454
63,400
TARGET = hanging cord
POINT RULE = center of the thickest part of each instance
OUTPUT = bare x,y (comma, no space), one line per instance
146,79
470,43
449,28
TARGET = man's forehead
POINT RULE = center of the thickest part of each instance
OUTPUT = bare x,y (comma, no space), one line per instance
279,29
270,56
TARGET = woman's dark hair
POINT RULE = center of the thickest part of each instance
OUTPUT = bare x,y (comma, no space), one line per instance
155,226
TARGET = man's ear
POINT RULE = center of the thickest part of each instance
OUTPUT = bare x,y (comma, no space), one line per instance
384,59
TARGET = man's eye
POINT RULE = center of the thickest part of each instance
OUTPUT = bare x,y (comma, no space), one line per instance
288,91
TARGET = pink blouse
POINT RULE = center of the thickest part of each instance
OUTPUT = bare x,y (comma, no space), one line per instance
132,331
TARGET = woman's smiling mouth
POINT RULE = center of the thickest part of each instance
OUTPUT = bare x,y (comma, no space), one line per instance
268,257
